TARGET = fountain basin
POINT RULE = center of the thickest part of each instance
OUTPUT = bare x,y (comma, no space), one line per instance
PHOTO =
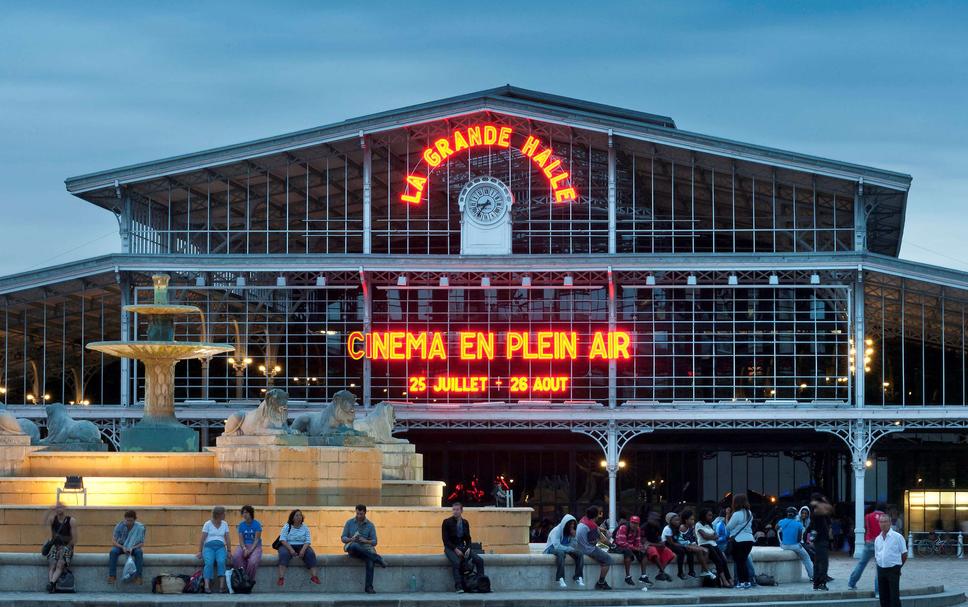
159,350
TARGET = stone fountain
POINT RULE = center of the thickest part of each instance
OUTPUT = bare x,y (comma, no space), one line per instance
158,430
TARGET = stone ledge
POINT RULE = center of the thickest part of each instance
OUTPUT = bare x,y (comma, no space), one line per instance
342,574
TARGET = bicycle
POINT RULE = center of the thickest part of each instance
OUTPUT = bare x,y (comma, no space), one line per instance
936,546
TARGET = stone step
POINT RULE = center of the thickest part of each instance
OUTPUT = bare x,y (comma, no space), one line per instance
915,597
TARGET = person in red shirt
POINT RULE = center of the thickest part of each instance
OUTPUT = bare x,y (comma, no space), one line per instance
655,550
872,527
628,539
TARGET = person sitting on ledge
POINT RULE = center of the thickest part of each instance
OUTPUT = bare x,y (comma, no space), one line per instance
561,543
248,554
295,540
213,548
456,535
588,536
628,539
129,539
655,549
359,542
60,548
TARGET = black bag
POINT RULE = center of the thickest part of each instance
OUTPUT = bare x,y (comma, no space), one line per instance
65,583
240,582
472,582
49,544
277,543
764,579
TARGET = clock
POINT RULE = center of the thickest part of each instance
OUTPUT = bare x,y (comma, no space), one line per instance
485,200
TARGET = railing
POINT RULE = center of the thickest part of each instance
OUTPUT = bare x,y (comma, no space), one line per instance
923,544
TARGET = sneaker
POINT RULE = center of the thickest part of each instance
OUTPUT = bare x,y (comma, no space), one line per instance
692,574
602,585
280,581
645,580
663,577
629,580
369,590
709,574
314,580
683,576
581,582
459,590
561,583
849,587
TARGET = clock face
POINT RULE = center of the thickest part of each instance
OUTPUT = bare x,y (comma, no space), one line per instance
486,200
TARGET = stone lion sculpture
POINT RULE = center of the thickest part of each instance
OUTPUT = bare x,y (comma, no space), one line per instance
13,426
378,425
335,418
64,430
269,419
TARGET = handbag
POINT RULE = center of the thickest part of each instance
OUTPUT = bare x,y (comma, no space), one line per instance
277,543
731,542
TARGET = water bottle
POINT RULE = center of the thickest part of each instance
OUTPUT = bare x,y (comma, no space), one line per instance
413,583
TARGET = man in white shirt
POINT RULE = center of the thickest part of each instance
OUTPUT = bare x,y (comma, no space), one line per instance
890,553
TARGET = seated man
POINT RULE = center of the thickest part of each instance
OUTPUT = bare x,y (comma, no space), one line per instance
791,538
359,541
129,539
456,535
628,539
588,535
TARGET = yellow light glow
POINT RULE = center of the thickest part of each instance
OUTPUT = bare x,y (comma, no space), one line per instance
621,463
868,464
262,368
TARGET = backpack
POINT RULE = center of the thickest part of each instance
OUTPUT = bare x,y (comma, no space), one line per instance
472,582
194,585
764,579
238,582
65,583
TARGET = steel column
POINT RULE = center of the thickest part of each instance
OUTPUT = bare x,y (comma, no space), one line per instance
860,340
367,327
611,196
367,194
860,219
859,433
612,363
611,465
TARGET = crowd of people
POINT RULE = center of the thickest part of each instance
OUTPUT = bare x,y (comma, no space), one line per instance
705,538
215,543
710,539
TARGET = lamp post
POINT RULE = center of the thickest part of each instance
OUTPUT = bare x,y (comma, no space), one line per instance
270,372
240,365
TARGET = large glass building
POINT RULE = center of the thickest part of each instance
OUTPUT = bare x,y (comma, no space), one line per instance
582,298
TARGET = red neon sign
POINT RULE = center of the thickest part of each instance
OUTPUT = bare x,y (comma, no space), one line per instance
478,345
481,135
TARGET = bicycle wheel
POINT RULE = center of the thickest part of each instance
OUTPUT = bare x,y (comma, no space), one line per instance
950,548
924,548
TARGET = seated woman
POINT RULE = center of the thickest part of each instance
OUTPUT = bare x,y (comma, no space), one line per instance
213,548
294,540
669,532
687,539
708,537
63,538
562,543
248,555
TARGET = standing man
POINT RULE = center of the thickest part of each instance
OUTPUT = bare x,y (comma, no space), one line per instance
890,554
872,527
820,523
129,539
456,535
359,542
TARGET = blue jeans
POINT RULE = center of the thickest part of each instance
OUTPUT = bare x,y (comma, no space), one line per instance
213,554
865,557
802,553
137,554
